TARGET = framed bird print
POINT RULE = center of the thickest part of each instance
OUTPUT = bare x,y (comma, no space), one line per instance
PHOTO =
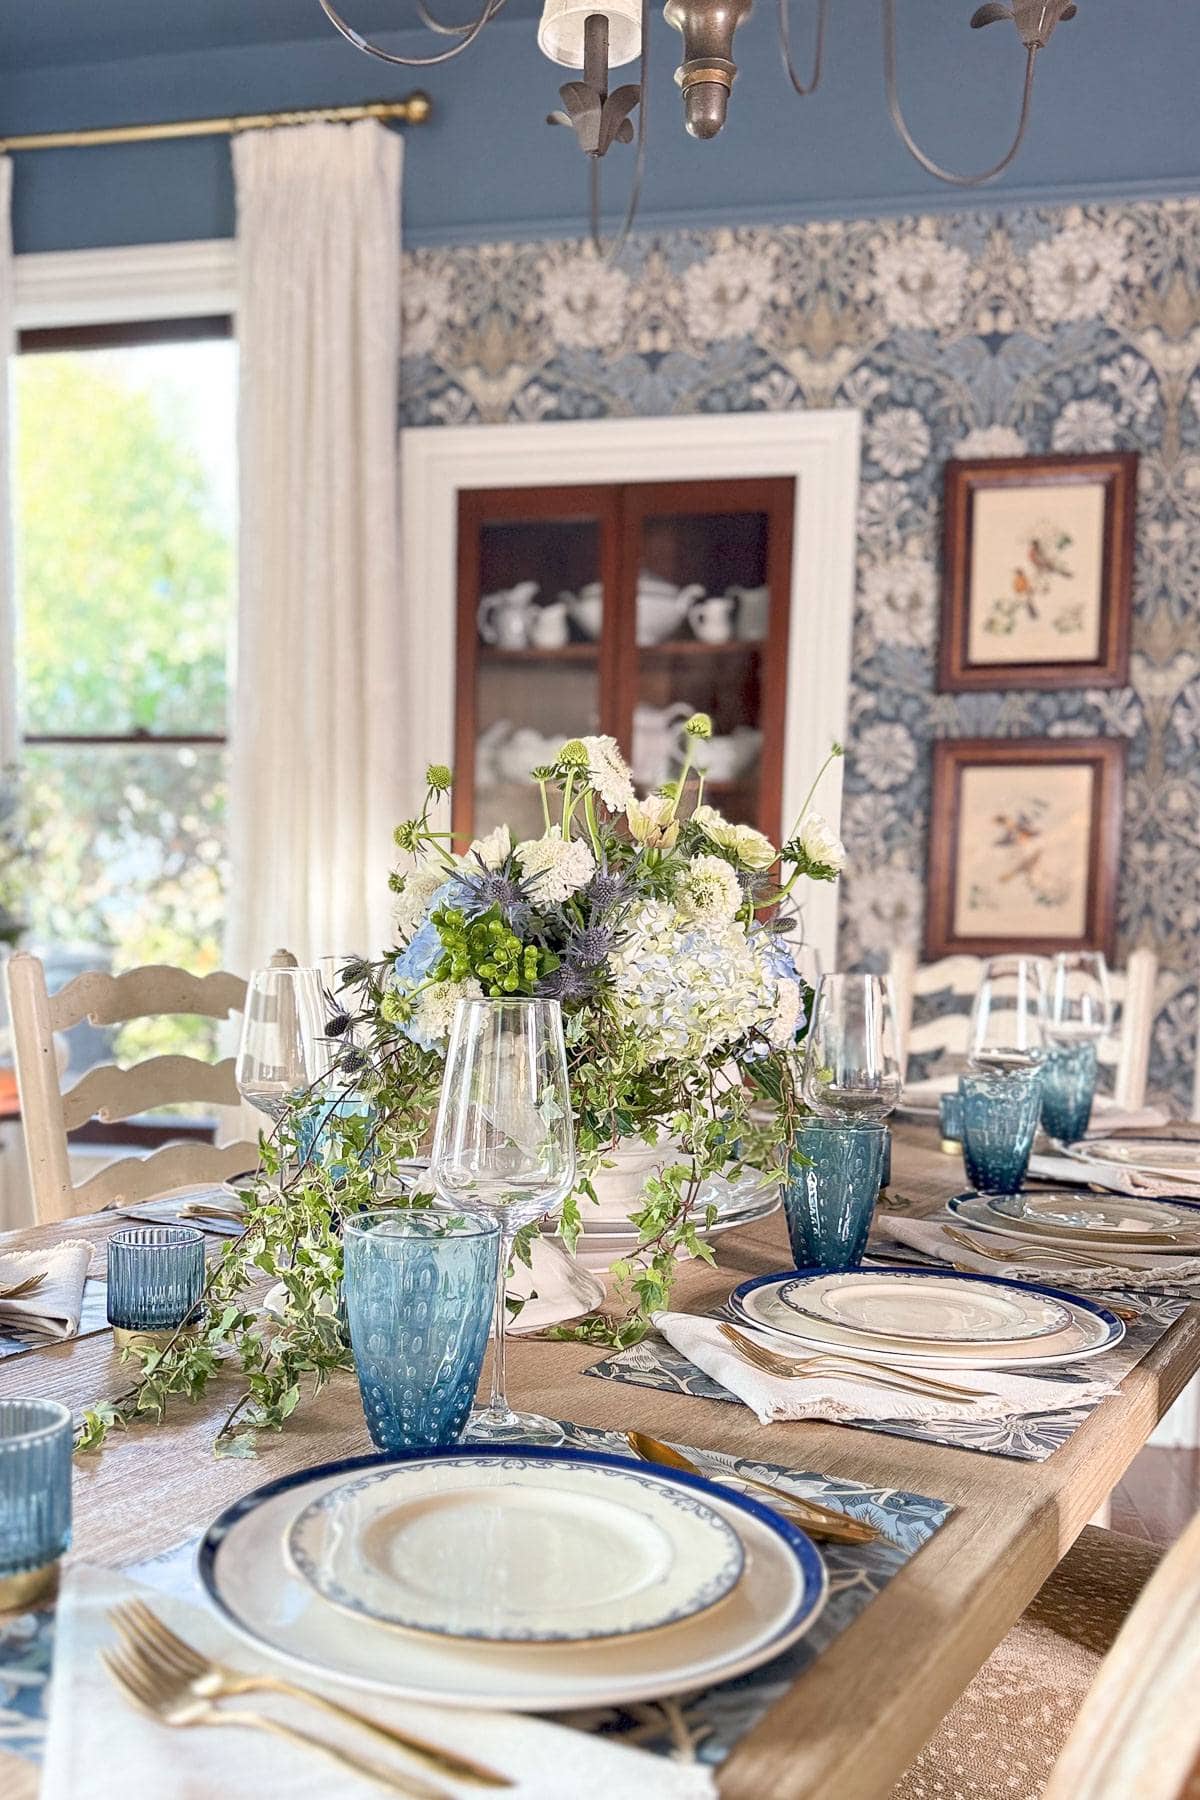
1024,845
1038,572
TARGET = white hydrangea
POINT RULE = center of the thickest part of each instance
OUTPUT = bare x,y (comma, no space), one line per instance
412,903
688,989
555,868
821,844
608,772
742,842
434,1013
708,890
781,1029
491,850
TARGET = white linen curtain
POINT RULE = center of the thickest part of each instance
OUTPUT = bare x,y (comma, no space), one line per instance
8,664
316,725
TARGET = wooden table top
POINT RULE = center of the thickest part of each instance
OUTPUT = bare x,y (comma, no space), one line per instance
854,1721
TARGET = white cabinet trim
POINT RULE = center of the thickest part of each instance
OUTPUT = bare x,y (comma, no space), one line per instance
113,286
820,449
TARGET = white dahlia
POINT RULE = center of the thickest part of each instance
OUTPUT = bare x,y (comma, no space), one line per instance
554,867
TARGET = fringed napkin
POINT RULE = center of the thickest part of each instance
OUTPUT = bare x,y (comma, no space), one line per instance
52,1309
1127,1270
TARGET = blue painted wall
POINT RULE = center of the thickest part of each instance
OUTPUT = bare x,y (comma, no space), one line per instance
1115,116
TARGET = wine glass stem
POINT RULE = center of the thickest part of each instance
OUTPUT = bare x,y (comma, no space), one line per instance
499,1400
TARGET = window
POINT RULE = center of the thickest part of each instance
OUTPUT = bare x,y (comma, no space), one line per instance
125,485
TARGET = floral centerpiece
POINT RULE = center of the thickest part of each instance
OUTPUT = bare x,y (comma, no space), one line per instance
666,932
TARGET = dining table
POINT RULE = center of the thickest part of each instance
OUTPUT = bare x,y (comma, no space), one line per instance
852,1721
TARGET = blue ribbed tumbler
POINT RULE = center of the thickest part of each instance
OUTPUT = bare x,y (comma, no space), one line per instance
155,1277
1068,1087
830,1194
999,1120
420,1293
36,1440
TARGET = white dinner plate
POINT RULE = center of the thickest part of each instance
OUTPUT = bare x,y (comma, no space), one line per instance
244,1568
1091,1329
462,1547
1124,1218
728,1195
901,1303
1153,1158
973,1209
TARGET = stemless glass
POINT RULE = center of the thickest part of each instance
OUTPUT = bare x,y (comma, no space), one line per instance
1079,1001
852,1066
36,1441
283,1049
999,1119
1068,1089
504,1144
1007,1026
830,1194
420,1296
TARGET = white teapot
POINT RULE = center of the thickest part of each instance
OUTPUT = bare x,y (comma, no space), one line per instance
525,751
655,738
725,758
504,617
586,608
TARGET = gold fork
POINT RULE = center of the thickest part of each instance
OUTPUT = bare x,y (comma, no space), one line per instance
147,1636
154,1691
882,1375
18,1290
1071,1259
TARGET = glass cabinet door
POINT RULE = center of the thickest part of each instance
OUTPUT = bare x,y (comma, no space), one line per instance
534,636
706,574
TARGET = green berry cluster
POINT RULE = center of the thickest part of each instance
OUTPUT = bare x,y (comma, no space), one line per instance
489,951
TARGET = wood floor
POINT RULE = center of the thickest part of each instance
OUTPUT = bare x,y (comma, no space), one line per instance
1158,1496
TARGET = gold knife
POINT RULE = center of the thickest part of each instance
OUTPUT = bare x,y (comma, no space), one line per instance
817,1520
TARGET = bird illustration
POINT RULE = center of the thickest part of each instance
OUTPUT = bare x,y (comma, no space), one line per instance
1044,560
1020,832
1023,589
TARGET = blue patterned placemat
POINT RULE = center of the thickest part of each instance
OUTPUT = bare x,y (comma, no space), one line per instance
1030,1437
704,1726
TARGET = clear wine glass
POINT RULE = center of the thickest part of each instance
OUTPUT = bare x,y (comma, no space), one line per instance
852,1065
1079,1000
283,1050
1007,1028
504,1144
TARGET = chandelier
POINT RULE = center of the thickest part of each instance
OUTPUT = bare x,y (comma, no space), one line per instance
597,36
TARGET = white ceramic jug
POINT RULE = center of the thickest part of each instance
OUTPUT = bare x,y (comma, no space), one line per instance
754,609
712,619
504,617
655,738
548,627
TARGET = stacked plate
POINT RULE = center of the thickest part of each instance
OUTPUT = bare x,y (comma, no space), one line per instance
1067,1219
931,1317
1161,1159
497,1576
738,1200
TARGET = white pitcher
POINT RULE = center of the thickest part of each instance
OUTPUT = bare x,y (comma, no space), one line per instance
655,735
548,626
712,619
504,617
754,610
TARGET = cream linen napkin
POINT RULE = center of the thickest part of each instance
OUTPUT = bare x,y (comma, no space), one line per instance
53,1310
1129,1271
1082,1171
97,1744
841,1400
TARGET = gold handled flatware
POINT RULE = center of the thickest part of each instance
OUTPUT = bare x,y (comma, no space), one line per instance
153,1690
200,1209
158,1646
819,1521
994,1253
19,1290
872,1374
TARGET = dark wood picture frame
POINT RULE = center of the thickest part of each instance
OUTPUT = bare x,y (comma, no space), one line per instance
951,757
1116,471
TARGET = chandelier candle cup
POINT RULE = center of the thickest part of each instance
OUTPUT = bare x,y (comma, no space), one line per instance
1000,1117
420,1288
834,1177
155,1279
36,1439
1068,1088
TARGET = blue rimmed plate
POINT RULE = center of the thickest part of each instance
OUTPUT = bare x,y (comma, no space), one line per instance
245,1569
463,1547
910,1304
1069,1220
1091,1328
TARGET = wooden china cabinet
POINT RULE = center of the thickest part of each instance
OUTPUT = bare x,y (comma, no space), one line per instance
622,609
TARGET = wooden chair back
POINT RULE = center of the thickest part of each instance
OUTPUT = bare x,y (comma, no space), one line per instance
1126,1053
1137,1736
110,1094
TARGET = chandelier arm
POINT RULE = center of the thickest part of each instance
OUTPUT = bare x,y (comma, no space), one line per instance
785,47
639,167
443,30
906,136
469,34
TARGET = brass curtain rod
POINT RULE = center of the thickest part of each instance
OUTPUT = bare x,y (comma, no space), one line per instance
414,109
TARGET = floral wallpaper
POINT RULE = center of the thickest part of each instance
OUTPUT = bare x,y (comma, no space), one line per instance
968,334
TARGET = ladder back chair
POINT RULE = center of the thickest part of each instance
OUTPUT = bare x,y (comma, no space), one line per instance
1126,1053
110,1094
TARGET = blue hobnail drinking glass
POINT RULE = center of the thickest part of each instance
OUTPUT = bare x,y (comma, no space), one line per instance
999,1119
950,1118
155,1276
420,1289
1068,1087
830,1194
36,1440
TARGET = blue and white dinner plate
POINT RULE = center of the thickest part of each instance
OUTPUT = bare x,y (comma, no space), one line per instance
1091,1328
931,1308
246,1570
466,1547
1070,1220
